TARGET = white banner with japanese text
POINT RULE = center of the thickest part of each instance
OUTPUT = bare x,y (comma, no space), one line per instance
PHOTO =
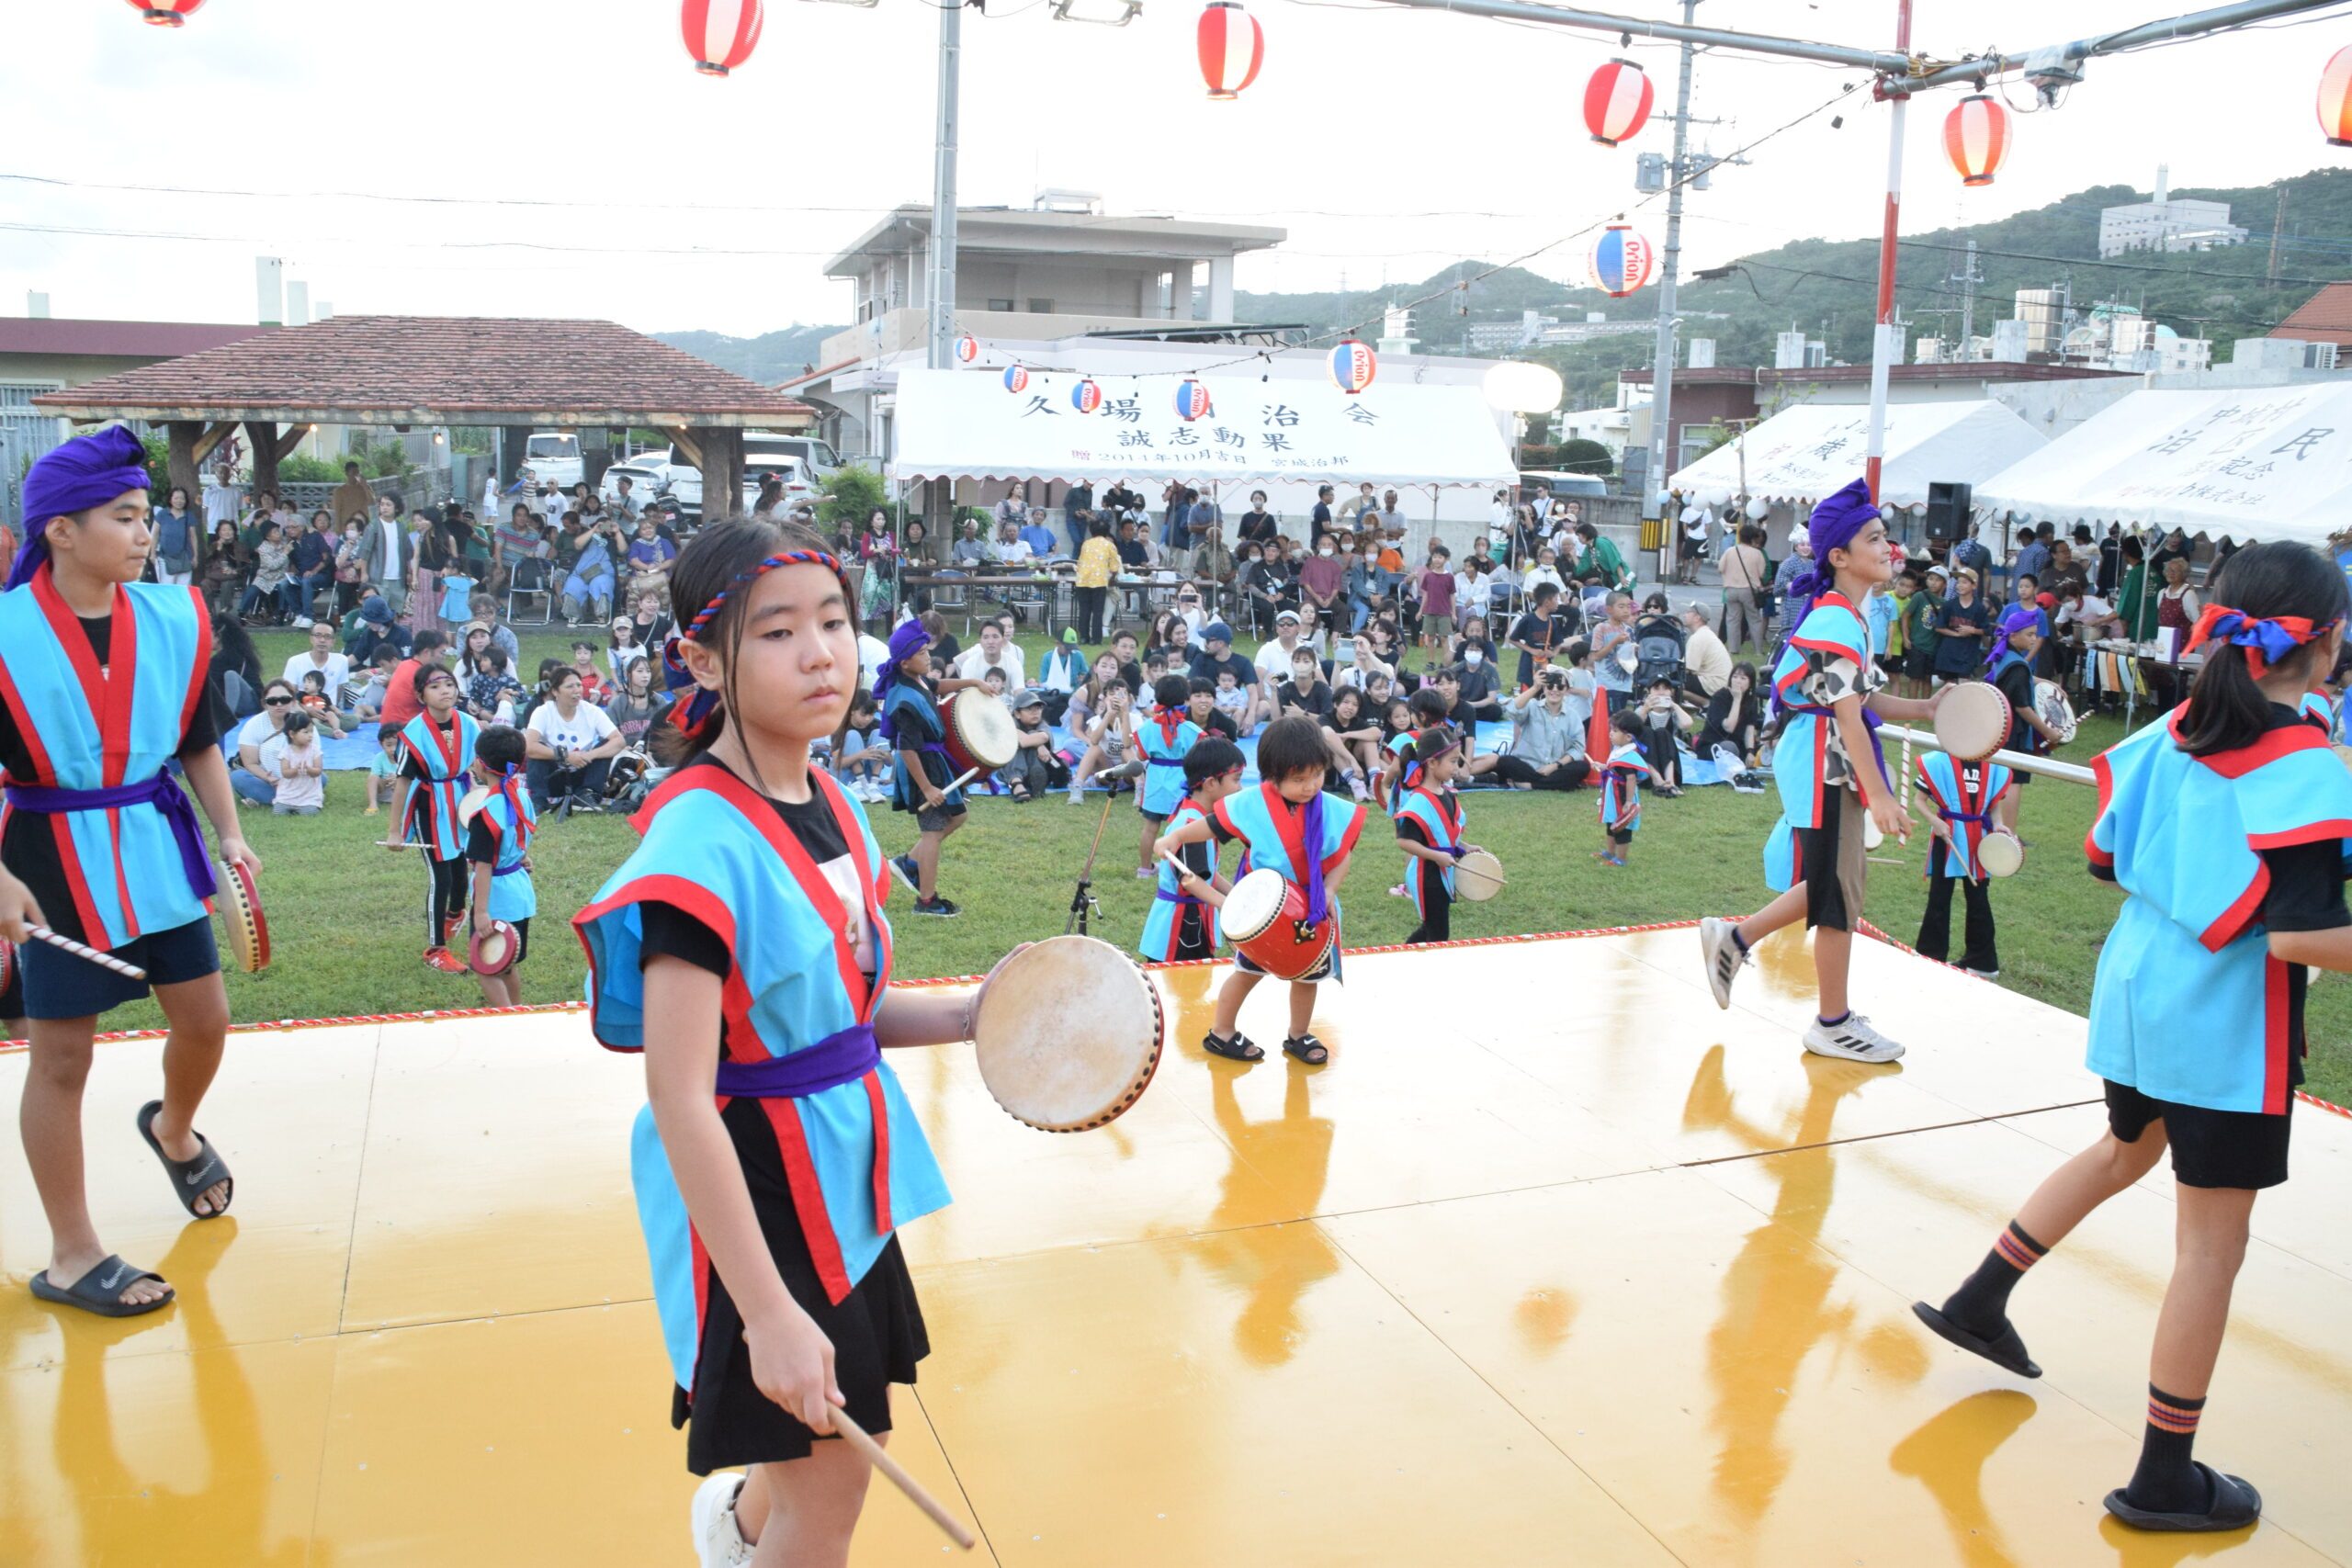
966,425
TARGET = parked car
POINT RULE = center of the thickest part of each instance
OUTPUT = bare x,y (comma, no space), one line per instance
1564,485
552,456
683,484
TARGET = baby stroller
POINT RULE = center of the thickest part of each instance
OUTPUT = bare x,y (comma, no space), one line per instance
1658,650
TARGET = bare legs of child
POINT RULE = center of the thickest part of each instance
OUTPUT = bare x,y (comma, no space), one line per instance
926,857
804,1512
1226,1039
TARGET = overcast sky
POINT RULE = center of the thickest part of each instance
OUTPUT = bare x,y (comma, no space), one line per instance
1387,142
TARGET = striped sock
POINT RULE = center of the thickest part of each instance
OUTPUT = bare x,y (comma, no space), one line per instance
1981,1305
2167,1481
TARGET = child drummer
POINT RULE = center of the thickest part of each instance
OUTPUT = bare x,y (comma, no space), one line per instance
1830,772
1429,830
100,844
1166,736
498,843
1965,796
912,723
777,1156
1620,789
1181,923
1291,827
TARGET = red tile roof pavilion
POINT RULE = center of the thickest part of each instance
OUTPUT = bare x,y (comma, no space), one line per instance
438,370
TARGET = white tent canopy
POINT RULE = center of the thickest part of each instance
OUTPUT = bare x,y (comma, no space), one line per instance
2269,463
964,425
1816,449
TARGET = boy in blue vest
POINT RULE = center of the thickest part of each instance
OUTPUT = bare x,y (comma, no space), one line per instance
1429,830
1290,826
1965,795
1181,923
498,842
1621,789
103,681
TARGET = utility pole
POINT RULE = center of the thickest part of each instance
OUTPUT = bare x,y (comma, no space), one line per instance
2278,227
1662,377
942,276
1968,277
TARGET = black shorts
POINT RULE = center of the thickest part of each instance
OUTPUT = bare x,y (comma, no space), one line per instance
1918,663
58,985
877,1330
2244,1149
936,818
1830,863
1621,836
1150,816
1328,970
522,940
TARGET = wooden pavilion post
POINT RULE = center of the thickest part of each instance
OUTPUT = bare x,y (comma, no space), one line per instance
722,471
262,436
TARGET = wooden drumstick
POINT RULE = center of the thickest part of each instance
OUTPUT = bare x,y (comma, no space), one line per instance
962,779
399,844
103,960
1903,796
879,1458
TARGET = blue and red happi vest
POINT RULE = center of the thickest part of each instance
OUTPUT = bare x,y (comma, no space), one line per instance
1832,630
137,864
797,1029
449,756
1165,741
1163,921
2188,1006
1620,789
1441,818
512,821
1276,832
1963,795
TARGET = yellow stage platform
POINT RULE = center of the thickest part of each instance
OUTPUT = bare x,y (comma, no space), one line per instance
1554,1264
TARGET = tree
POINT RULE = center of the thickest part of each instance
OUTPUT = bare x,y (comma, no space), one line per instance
1577,455
851,495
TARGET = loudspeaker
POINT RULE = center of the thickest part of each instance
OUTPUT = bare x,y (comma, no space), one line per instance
1948,508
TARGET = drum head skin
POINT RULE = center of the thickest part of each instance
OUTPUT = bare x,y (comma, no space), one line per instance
983,727
1478,877
493,950
470,804
2000,853
240,910
1068,1033
1253,905
1972,721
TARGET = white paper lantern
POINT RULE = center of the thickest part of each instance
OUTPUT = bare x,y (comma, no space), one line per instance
1757,508
1519,386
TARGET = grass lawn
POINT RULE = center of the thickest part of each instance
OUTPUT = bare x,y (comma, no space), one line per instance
347,919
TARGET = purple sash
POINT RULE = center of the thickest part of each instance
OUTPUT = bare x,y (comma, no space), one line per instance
835,1060
1310,832
163,792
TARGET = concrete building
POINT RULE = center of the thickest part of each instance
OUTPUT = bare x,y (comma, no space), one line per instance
2166,223
44,353
2325,318
2043,311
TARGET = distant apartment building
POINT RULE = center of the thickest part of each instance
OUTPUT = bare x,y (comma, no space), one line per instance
2166,223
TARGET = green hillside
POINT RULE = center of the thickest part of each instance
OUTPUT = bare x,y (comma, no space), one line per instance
1827,287
771,357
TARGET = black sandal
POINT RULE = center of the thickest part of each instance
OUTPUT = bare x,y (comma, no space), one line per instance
1240,1048
191,1179
99,1297
2235,1505
1307,1049
2006,1350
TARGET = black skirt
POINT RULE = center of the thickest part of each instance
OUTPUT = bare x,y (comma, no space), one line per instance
877,1330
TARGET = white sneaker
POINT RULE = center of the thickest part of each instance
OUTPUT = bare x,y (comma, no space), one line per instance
1723,956
302,623
717,1543
1852,1040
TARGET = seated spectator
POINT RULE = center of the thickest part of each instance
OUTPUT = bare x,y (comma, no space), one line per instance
1058,675
588,586
1662,723
1474,633
491,693
652,621
1706,662
1547,740
1362,666
252,776
292,759
1229,704
320,658
637,706
570,743
863,759
1734,719
384,771
318,704
593,689
1034,768
996,651
368,705
350,568
1355,737
623,649
312,565
227,564
371,626
1216,653
1109,734
482,607
1480,699
272,581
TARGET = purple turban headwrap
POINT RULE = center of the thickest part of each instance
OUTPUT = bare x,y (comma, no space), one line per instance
1832,526
88,470
905,642
2020,618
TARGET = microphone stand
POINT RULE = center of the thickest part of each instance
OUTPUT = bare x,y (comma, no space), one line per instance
1081,900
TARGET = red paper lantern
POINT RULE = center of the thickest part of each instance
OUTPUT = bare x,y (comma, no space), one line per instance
1617,102
720,34
2336,98
1232,46
1977,138
165,13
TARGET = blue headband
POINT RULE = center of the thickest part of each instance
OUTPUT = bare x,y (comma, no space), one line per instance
75,476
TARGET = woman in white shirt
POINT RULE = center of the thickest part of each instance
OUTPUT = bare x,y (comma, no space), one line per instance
570,746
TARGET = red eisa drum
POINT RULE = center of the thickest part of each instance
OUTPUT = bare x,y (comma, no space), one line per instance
1266,916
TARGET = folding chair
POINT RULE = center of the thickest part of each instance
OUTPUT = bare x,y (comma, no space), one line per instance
532,577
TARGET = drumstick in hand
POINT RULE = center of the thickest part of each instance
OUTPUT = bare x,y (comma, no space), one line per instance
879,1458
103,960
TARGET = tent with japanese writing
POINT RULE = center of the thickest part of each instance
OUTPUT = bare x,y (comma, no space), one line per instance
1816,449
964,425
2256,463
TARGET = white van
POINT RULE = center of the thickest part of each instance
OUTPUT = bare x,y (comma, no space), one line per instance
552,456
